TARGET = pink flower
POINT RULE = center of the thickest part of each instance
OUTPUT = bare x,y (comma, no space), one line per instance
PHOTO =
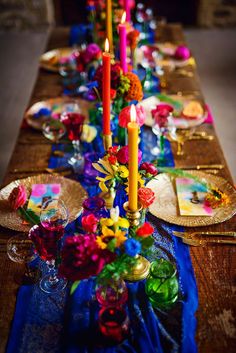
149,168
123,155
38,190
90,223
17,197
92,52
81,257
145,230
161,114
182,53
146,196
56,188
131,3
124,116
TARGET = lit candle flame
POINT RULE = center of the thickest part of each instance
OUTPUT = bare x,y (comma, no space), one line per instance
132,113
123,18
107,46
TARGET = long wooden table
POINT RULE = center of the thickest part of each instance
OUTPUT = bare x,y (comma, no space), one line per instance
214,266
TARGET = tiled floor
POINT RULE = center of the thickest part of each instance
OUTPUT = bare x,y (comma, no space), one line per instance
215,52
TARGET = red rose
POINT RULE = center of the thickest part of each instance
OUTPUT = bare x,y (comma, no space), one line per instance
17,197
113,150
145,230
90,223
149,168
123,155
112,159
146,196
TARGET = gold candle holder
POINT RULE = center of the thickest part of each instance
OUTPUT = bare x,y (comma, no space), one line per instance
107,141
141,269
133,216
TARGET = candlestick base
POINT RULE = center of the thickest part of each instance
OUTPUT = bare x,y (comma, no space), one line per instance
107,141
108,197
133,216
139,271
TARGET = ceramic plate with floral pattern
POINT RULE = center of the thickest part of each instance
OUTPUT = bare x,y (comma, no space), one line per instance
50,60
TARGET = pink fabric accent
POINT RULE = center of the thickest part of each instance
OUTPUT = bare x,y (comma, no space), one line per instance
209,119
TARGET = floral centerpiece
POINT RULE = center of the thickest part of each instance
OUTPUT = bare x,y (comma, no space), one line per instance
107,248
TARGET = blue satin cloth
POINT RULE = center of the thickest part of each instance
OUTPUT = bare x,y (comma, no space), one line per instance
64,323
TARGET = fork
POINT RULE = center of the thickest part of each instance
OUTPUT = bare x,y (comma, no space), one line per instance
200,242
192,234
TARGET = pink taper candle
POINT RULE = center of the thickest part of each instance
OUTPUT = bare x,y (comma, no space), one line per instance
127,10
122,39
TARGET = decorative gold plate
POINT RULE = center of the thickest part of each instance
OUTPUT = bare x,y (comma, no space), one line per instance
56,105
165,205
72,193
50,60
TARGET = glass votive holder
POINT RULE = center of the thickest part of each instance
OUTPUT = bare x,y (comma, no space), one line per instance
113,324
94,205
162,284
113,294
89,171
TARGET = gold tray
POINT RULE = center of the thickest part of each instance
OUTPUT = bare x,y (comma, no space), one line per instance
50,60
58,103
165,205
72,193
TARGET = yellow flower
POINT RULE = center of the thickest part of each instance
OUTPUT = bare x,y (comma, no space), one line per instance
102,182
106,222
120,237
123,223
123,170
107,232
100,243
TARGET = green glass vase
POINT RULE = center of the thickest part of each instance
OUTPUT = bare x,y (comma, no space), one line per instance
162,284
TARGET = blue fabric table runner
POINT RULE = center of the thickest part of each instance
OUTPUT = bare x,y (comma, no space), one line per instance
65,323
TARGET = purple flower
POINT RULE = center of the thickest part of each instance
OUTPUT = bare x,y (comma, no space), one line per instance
92,52
132,247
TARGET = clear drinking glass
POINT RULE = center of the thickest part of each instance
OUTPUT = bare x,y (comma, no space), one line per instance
53,130
20,249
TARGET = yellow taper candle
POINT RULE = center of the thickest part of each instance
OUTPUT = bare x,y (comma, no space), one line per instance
109,34
133,160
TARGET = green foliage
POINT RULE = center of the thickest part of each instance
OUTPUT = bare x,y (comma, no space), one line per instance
74,287
29,216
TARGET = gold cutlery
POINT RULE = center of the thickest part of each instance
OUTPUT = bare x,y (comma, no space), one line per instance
58,153
202,167
208,233
41,170
201,137
199,242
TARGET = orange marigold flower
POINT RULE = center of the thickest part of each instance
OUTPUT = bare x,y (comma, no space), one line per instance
135,91
133,37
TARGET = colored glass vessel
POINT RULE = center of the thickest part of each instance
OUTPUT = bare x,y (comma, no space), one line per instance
113,324
114,293
162,284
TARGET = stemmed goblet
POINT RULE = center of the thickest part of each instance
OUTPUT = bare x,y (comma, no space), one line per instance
73,121
46,237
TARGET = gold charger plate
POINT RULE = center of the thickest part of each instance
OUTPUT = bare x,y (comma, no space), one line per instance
56,105
50,60
165,205
72,193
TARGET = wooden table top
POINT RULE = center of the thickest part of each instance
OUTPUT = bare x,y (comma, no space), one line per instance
214,266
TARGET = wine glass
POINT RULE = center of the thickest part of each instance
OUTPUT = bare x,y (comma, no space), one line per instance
20,249
69,74
53,130
46,237
73,121
180,136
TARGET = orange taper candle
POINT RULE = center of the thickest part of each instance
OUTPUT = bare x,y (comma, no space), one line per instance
106,89
133,160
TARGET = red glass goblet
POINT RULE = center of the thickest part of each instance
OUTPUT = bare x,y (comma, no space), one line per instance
73,122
